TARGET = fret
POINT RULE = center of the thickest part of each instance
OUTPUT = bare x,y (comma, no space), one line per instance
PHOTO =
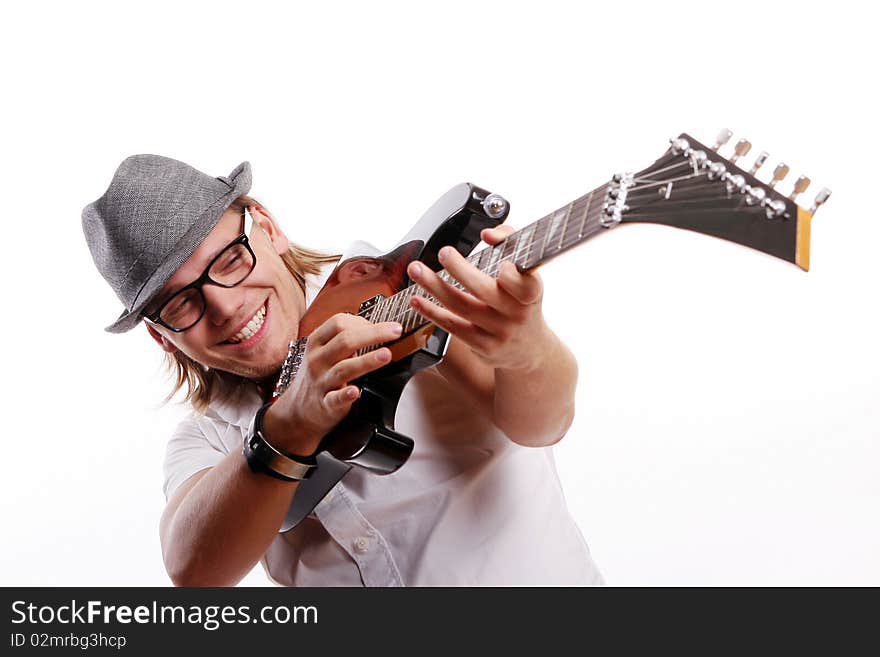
546,237
492,267
569,231
404,305
554,224
383,309
508,247
565,224
410,311
389,309
448,278
406,314
586,214
395,308
422,292
524,239
534,256
485,254
375,316
415,318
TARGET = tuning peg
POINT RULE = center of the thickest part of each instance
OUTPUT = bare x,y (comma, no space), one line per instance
742,147
800,186
759,162
780,172
722,138
821,197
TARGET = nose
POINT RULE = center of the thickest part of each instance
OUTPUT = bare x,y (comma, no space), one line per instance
222,303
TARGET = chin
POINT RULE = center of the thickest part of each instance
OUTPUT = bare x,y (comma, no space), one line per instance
268,363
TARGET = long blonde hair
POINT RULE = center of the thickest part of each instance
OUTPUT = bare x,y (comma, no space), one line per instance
202,383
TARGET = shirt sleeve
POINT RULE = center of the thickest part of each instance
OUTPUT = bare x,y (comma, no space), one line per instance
197,443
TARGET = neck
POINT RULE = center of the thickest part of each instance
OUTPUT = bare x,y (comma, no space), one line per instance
528,248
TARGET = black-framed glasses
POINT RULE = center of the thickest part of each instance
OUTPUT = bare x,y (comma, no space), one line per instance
183,309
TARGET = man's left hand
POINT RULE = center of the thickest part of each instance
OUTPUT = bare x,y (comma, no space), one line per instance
500,319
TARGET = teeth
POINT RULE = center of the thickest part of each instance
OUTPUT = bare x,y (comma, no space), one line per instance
252,327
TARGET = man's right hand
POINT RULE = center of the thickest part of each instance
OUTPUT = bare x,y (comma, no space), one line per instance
320,394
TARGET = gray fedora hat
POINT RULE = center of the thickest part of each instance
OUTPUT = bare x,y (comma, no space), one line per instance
153,216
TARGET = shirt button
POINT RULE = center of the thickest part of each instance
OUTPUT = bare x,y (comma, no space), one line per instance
361,544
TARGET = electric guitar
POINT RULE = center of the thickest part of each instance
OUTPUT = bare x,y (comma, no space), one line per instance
690,186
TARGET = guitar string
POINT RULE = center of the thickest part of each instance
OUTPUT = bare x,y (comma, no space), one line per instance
689,190
637,188
685,196
670,167
686,162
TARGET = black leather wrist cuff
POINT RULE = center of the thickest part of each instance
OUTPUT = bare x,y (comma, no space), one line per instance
263,457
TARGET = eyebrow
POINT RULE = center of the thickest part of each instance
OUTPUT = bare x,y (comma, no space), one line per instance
159,300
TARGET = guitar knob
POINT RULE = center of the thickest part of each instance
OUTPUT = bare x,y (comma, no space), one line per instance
680,146
759,162
716,170
699,158
800,186
821,197
755,196
780,172
736,183
775,209
743,146
722,138
494,206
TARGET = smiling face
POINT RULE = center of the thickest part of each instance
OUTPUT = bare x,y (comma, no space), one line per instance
245,329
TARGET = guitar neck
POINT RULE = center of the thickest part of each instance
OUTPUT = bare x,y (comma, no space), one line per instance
546,238
527,248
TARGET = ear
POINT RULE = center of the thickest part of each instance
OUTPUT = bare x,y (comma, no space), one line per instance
265,221
161,339
359,269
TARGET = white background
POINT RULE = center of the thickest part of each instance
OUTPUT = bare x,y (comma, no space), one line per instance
728,423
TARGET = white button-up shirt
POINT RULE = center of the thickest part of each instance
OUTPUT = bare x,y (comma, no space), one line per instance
469,507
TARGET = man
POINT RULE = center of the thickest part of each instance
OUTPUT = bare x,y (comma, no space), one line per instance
221,290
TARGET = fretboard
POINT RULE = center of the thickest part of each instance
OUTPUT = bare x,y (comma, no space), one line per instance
527,248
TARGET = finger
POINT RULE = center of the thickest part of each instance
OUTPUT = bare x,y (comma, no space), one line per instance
352,340
495,235
352,368
459,302
479,284
474,336
452,297
526,288
338,400
333,326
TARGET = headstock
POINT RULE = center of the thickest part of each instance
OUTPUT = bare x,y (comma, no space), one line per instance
692,186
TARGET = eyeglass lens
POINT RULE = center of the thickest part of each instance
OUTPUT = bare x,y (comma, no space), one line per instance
230,268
